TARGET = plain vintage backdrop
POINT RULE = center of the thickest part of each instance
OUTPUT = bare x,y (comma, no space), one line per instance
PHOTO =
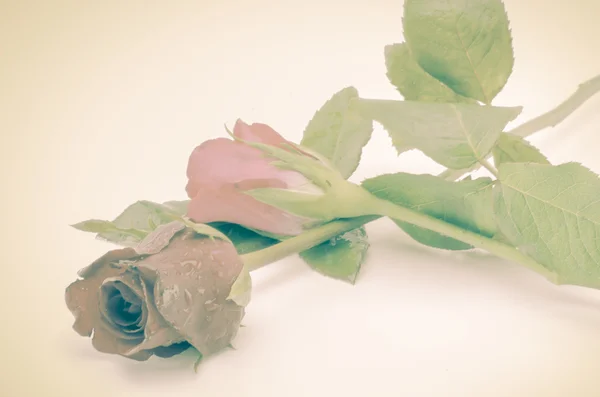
101,103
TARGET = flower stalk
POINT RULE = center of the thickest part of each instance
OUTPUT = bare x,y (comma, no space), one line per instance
258,259
377,208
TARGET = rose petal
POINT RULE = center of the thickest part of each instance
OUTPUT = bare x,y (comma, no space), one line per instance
154,332
228,204
191,293
106,342
222,161
81,296
130,318
262,133
171,350
111,258
158,334
258,132
108,336
124,288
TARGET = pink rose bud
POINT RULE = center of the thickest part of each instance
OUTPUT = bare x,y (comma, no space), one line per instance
220,172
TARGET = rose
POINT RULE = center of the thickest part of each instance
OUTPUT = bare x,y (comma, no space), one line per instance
169,293
221,170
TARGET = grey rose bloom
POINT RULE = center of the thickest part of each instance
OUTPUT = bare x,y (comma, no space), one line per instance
169,293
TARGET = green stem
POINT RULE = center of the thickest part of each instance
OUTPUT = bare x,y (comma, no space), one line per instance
584,91
486,164
379,207
310,238
498,248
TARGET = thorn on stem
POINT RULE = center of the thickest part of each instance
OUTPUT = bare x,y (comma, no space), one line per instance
197,363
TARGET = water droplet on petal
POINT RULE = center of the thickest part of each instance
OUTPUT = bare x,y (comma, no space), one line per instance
188,297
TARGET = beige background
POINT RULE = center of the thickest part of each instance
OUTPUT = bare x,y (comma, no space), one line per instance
101,103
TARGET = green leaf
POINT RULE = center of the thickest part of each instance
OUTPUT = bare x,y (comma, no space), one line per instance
127,236
145,215
172,211
467,45
552,213
140,219
467,204
179,207
244,240
456,135
338,132
412,81
514,149
341,257
204,229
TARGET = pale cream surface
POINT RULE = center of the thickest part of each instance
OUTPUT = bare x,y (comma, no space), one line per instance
101,103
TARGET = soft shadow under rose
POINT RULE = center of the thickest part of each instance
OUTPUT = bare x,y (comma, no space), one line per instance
160,298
